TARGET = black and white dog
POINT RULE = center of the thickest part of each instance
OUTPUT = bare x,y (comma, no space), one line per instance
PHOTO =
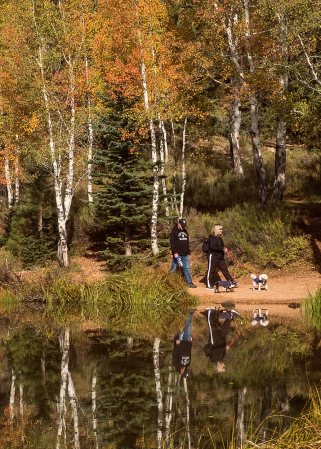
228,285
259,281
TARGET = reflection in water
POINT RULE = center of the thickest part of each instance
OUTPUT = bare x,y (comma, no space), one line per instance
115,381
159,395
66,380
240,422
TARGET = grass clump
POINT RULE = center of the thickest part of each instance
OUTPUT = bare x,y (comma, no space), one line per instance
312,310
137,298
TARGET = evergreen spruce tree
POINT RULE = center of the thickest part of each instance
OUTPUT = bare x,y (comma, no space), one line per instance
31,233
123,200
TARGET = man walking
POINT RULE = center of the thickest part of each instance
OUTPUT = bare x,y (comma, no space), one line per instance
180,249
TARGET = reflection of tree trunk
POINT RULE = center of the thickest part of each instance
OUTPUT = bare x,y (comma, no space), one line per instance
94,408
158,392
12,395
130,343
73,403
64,348
187,413
239,409
284,406
168,405
265,411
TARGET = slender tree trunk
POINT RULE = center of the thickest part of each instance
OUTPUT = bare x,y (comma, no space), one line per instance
175,206
235,124
281,125
255,132
165,140
17,182
183,170
154,219
90,140
8,181
127,244
162,160
159,395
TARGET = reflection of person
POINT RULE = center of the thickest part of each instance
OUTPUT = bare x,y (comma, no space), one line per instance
216,347
182,351
180,248
215,256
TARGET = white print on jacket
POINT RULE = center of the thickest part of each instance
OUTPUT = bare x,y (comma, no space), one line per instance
182,236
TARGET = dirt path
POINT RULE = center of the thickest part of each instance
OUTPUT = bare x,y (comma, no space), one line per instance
281,292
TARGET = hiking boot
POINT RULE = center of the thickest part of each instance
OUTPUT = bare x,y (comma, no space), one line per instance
191,285
192,310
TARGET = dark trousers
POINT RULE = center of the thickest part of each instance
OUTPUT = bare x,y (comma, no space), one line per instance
213,263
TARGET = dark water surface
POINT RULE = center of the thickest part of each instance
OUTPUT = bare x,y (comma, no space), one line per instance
101,389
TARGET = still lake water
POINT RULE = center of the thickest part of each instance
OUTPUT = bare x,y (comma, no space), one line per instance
101,389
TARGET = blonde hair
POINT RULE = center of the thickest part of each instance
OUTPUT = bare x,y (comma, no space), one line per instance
216,227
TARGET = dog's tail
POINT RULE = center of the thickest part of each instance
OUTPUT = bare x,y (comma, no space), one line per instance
253,276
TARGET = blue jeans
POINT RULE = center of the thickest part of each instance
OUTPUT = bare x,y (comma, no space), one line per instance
187,331
186,268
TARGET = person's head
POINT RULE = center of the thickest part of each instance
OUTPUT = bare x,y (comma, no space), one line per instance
217,230
220,367
181,223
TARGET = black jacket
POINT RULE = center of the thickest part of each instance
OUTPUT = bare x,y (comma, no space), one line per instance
216,246
180,241
182,354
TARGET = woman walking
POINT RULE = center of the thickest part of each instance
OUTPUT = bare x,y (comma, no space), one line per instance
215,256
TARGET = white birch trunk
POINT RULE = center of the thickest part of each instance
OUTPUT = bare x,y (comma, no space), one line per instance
62,229
175,206
73,404
17,182
162,159
12,395
255,133
154,245
94,410
64,342
8,181
21,399
90,141
281,125
165,141
159,395
235,124
181,208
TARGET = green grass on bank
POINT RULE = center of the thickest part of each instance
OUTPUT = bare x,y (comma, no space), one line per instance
140,299
313,310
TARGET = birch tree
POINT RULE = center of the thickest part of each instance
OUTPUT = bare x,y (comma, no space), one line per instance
59,34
